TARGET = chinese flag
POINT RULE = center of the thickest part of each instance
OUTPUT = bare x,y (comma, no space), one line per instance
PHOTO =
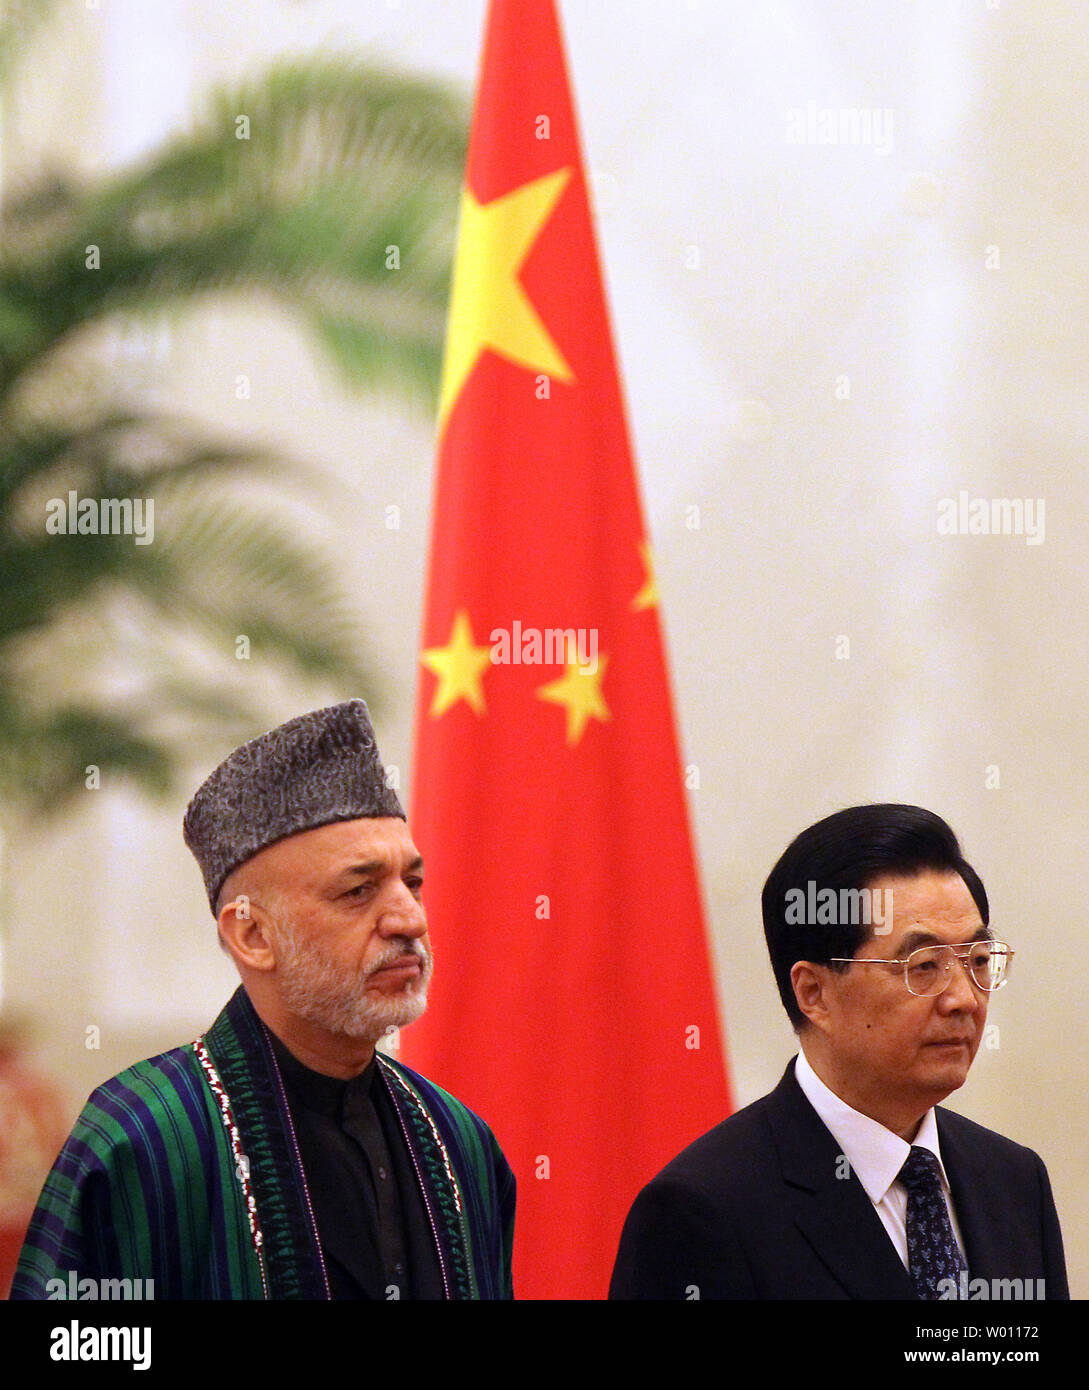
573,1005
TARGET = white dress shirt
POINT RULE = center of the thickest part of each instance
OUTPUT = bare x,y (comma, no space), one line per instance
875,1154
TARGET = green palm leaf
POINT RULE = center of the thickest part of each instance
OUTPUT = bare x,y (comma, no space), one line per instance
340,203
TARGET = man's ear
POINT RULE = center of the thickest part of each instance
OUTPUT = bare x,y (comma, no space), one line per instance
246,931
810,982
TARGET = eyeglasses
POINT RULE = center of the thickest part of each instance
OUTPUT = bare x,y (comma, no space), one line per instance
929,970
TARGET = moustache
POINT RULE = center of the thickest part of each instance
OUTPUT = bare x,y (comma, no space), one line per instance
414,950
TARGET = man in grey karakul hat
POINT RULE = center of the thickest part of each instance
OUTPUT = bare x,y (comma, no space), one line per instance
281,1156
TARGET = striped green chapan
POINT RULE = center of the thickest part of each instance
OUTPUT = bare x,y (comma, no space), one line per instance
184,1171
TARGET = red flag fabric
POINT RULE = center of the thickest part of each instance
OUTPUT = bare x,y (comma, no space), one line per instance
572,1004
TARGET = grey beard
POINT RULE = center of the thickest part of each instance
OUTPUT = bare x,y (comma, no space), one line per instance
325,993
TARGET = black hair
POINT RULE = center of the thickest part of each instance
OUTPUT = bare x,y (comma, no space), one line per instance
847,851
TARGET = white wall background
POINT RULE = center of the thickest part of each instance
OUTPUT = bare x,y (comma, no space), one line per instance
748,277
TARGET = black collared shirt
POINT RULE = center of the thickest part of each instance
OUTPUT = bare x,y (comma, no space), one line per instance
371,1218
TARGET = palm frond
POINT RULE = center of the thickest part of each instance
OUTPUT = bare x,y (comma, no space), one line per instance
19,20
342,202
45,758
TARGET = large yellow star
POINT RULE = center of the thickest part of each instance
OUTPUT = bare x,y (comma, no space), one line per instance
647,596
579,689
460,667
488,306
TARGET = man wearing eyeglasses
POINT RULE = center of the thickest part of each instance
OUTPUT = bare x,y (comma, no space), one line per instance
849,1180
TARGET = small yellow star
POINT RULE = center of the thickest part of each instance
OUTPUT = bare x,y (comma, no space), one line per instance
489,308
459,666
579,689
647,596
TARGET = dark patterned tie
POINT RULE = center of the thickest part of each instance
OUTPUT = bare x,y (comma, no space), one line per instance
933,1252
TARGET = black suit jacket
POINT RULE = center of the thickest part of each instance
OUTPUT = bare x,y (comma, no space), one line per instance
755,1209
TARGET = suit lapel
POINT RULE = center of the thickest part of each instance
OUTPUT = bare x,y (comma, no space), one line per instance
972,1186
832,1211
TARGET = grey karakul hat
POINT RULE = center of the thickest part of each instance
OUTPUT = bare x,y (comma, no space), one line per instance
313,770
